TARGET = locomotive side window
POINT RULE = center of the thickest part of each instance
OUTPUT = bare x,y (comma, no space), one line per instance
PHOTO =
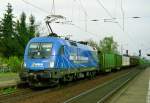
73,43
61,51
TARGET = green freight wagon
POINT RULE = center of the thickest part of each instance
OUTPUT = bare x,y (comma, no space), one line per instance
118,62
109,61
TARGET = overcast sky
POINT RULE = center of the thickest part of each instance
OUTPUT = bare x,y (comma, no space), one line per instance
136,31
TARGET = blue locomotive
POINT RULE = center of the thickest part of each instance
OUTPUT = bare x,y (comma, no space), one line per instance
50,60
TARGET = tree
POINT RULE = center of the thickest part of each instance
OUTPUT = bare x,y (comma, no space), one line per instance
21,27
1,39
14,36
93,44
25,32
8,40
108,45
32,27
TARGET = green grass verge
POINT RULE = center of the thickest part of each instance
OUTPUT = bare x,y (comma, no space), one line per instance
7,91
8,76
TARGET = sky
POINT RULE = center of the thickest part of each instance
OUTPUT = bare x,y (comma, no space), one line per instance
133,37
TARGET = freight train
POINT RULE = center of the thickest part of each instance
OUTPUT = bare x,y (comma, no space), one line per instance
51,60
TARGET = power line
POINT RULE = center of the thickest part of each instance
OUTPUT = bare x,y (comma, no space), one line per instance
83,9
122,11
53,8
107,11
101,4
115,8
34,6
85,14
84,31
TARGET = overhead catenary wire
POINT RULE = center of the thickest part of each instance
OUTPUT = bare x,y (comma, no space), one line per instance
101,4
122,11
85,14
115,8
34,6
45,11
85,31
53,8
107,11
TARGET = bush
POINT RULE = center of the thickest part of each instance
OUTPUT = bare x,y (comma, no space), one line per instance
14,64
3,61
9,90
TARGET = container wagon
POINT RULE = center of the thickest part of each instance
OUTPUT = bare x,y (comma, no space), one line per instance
125,61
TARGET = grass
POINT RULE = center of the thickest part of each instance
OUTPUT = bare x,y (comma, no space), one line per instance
8,76
7,91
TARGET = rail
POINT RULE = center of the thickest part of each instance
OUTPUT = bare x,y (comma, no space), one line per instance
95,95
100,93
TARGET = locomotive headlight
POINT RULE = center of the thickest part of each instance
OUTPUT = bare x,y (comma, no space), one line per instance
51,64
25,65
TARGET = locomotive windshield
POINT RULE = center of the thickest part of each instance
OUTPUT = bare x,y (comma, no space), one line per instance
39,50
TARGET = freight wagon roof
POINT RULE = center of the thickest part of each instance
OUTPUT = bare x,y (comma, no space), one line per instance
61,41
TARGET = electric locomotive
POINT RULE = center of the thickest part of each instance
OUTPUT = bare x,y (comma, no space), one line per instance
50,60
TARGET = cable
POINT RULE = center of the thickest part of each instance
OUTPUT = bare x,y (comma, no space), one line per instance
53,8
122,11
85,13
83,9
100,3
34,6
84,31
115,8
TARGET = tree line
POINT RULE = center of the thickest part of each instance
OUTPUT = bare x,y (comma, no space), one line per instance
107,45
14,34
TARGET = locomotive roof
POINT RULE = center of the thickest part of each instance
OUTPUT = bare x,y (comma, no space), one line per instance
61,41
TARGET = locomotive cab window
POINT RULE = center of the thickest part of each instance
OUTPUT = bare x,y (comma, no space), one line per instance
39,50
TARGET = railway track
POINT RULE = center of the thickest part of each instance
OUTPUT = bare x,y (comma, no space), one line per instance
101,92
10,95
22,94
